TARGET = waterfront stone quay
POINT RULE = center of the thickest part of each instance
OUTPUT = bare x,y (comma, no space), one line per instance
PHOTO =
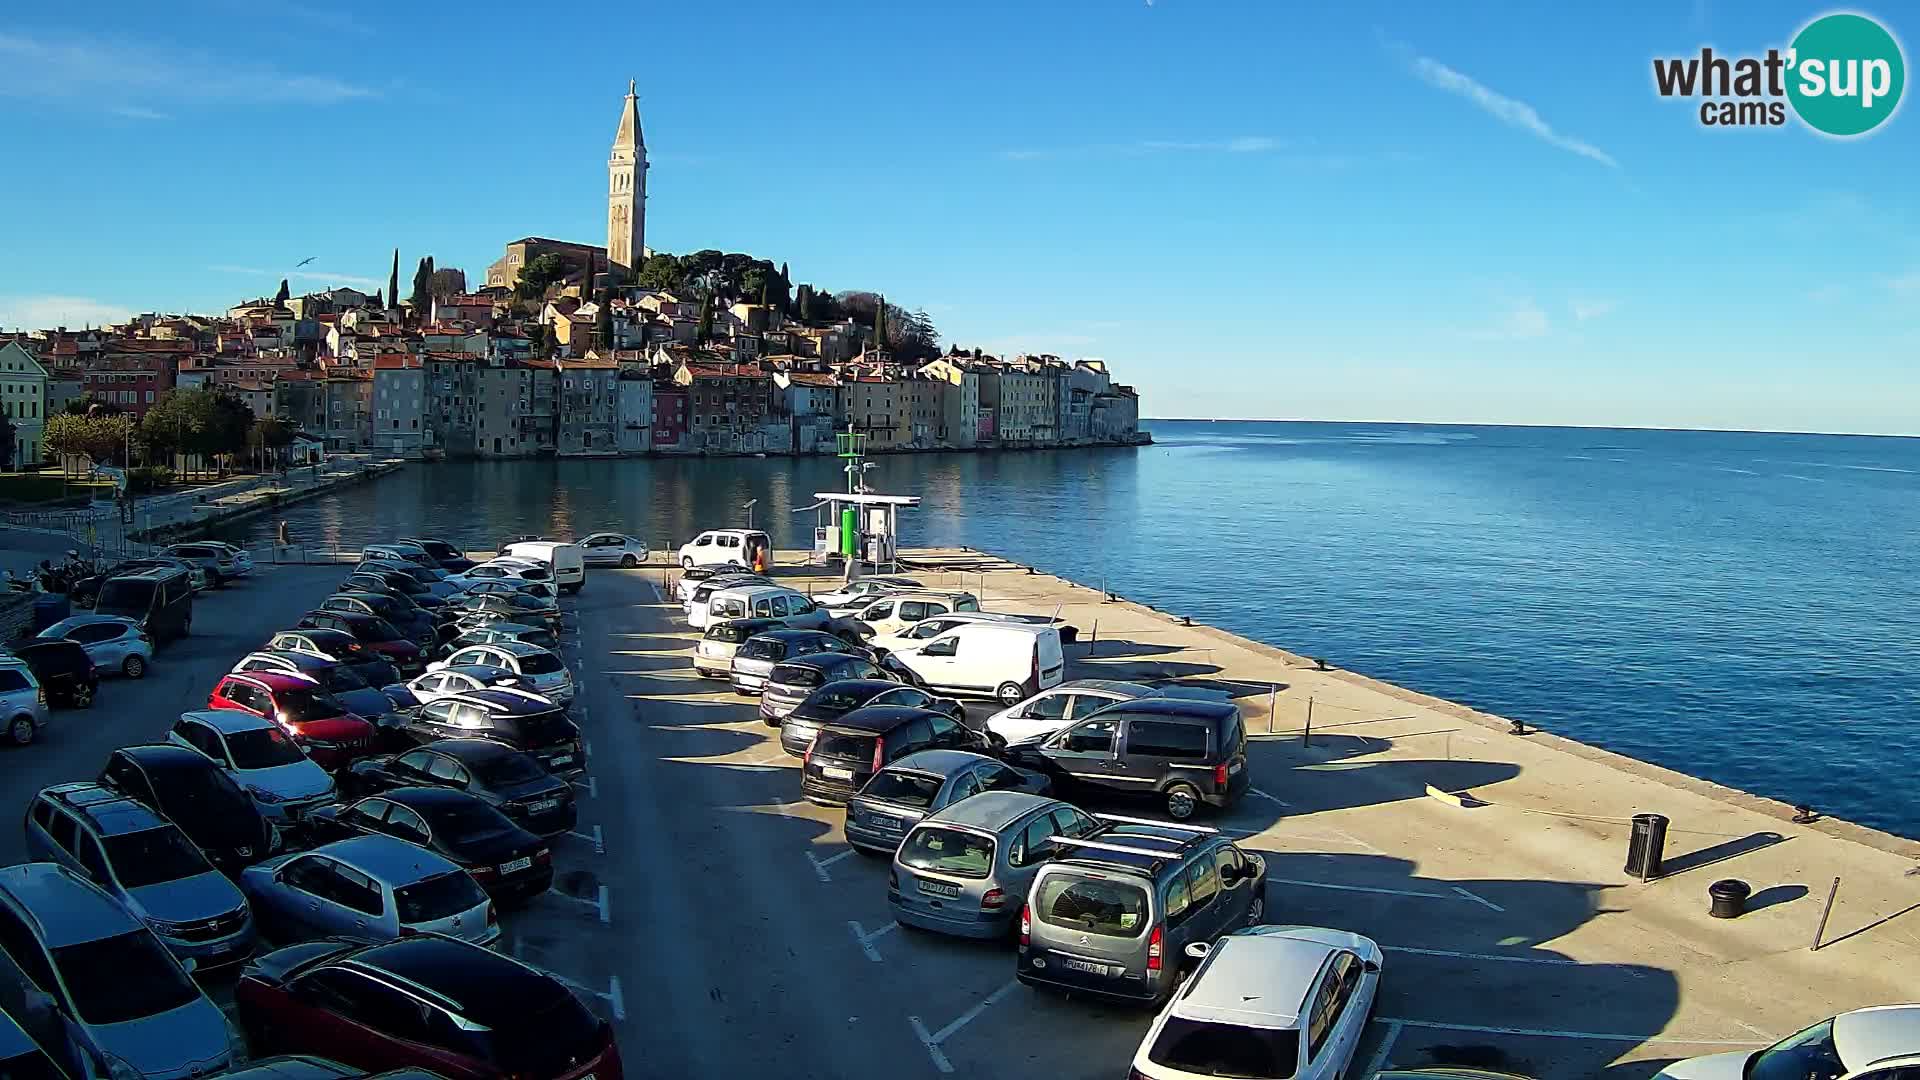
1488,864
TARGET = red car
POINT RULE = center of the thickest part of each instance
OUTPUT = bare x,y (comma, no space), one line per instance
427,1002
375,633
308,712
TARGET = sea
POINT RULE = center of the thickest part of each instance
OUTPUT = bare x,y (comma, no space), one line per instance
1735,606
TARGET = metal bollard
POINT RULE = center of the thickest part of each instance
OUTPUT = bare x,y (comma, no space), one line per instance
1821,930
1306,733
1729,898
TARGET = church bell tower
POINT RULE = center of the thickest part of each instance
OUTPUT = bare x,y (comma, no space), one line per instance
627,193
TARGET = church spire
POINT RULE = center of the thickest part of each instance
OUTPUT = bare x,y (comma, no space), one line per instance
629,136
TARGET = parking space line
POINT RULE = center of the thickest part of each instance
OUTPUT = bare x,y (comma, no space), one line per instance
1379,1059
1554,1033
599,903
1269,798
1559,960
820,865
613,995
592,786
599,843
933,1048
1333,836
933,1040
866,939
1479,899
1360,889
606,907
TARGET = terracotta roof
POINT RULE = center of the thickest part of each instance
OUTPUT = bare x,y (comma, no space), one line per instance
396,362
591,363
812,378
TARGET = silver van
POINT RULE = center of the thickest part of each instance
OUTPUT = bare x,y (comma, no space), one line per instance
1112,917
925,782
965,870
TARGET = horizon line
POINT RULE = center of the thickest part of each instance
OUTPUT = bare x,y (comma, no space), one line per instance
1496,424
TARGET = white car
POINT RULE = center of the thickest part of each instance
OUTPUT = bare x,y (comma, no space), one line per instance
1877,1043
1266,1001
539,590
260,757
718,546
498,570
854,593
1050,710
614,549
447,682
894,612
112,643
540,671
934,626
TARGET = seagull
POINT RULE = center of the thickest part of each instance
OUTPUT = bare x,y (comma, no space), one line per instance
304,261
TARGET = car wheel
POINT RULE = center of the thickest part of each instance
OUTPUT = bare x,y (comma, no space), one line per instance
686,562
134,667
1010,694
1256,911
214,580
21,730
628,562
1182,801
83,696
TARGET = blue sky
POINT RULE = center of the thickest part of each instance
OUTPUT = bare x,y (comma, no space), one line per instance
1460,212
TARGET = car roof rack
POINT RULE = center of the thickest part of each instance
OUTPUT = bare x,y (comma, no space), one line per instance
1208,829
1102,845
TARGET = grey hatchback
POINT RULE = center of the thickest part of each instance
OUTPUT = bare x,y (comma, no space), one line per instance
789,683
964,870
923,783
1112,917
758,655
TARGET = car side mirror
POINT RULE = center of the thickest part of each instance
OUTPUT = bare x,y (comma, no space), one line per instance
1198,950
1370,967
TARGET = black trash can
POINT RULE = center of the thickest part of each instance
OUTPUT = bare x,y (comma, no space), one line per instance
1729,897
1647,846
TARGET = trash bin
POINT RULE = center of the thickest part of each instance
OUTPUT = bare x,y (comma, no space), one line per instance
1729,897
50,608
1647,846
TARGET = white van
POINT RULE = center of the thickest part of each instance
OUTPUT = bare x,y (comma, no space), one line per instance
717,547
759,602
1008,661
566,562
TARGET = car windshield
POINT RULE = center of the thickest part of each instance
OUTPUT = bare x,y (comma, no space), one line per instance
948,851
1094,905
204,800
837,699
151,857
466,820
726,632
1209,1049
906,788
541,663
438,897
764,649
342,677
797,675
539,636
509,769
120,597
262,748
372,629
1809,1055
844,746
298,706
116,979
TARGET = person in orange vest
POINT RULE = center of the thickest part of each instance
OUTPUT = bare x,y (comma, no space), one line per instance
759,557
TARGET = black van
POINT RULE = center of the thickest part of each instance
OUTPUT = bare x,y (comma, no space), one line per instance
64,669
160,600
1183,753
848,751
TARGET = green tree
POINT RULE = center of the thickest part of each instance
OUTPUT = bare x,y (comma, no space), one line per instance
786,290
880,323
704,333
445,281
393,279
603,321
538,275
661,271
422,287
379,300
99,436
284,294
9,439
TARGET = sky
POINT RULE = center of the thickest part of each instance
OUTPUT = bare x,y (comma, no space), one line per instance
1456,212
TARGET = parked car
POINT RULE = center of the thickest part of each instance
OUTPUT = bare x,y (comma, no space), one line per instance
507,860
501,570
221,562
965,870
297,1067
540,671
912,634
339,645
36,1045
23,702
508,780
494,1017
922,783
319,723
147,863
509,608
847,752
64,670
393,584
538,590
1114,920
411,620
448,555
115,644
690,580
842,696
433,580
449,681
713,658
614,549
1881,1042
1007,661
402,552
791,681
1050,710
524,721
760,602
188,789
565,563
373,632
895,611
158,600
722,546
371,887
260,757
1179,752
859,589
126,1002
495,632
757,656
85,593
1266,1001
343,681
696,595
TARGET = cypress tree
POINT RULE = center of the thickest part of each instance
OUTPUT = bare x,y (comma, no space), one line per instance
282,296
422,283
880,323
393,279
786,291
705,332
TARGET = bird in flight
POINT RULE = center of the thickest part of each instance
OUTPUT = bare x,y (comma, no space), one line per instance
304,261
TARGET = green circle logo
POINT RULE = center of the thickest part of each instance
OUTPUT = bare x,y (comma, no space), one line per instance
1846,74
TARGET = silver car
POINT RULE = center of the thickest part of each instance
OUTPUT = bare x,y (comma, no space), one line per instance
859,591
540,671
757,655
146,862
965,870
23,701
922,783
260,757
613,549
113,643
539,590
489,633
217,560
372,887
128,1005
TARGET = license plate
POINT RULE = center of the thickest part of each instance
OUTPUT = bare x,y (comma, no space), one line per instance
836,774
941,888
885,824
543,806
1234,767
563,759
515,866
1086,966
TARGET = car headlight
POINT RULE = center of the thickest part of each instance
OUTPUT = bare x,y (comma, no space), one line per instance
120,1070
263,795
165,928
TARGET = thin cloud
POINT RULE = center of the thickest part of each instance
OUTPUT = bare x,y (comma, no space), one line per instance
1509,111
135,112
1583,310
1523,320
46,312
327,276
87,71
1239,144
1907,284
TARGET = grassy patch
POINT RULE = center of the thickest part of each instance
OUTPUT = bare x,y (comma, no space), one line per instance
45,487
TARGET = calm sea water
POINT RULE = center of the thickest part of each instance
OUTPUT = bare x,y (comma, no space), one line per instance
1734,606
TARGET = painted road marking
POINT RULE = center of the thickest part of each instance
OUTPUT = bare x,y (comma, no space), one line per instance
1554,1033
592,787
866,940
1330,836
820,865
932,1040
1561,960
1379,1060
599,842
657,597
600,904
1479,899
778,755
1269,798
612,995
